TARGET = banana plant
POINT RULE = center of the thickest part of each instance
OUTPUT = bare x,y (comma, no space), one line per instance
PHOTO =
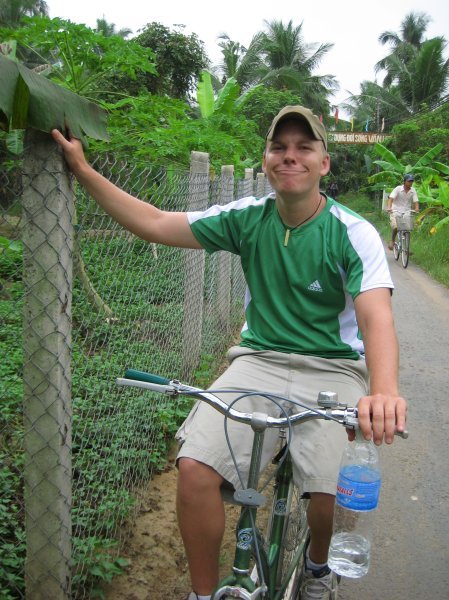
433,186
224,102
435,198
227,101
393,170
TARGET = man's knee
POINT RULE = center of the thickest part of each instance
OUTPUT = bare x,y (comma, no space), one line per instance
195,478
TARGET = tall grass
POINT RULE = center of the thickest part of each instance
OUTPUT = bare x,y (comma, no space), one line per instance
430,250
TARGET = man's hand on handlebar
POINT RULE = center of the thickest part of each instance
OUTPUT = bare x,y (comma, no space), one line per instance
380,415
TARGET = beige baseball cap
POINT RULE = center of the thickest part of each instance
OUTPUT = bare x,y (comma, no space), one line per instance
299,112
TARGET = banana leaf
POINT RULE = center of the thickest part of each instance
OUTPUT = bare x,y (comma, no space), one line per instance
441,167
29,100
441,223
205,95
225,102
389,156
429,156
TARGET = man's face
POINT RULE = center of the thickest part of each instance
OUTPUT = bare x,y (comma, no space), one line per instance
294,162
408,184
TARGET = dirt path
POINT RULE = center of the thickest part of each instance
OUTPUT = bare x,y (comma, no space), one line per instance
158,568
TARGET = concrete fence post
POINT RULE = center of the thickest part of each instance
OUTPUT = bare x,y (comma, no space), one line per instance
249,182
48,245
194,267
224,258
260,185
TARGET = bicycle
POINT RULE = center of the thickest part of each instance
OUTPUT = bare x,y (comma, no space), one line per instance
405,222
266,567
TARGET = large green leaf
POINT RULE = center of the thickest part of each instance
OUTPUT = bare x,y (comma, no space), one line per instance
429,155
389,156
205,95
441,167
29,100
225,102
443,193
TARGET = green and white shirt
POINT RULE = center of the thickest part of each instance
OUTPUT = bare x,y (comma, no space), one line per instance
300,296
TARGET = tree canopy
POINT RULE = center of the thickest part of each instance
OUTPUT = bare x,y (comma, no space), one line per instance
180,59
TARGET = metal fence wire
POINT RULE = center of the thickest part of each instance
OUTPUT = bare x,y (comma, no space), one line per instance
89,299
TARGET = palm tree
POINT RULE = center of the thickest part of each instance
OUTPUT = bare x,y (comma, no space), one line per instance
12,11
417,75
374,103
108,29
238,62
288,62
233,53
423,81
279,58
404,45
424,78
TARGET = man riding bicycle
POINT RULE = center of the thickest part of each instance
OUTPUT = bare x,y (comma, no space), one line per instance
318,316
401,200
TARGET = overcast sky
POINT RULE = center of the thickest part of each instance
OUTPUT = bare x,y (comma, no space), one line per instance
351,25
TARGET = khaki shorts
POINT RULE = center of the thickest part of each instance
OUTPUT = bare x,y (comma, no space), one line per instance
317,445
393,223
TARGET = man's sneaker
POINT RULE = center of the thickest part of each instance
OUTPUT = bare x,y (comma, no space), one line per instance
192,596
318,585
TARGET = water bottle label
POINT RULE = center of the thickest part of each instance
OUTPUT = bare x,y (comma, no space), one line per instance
358,488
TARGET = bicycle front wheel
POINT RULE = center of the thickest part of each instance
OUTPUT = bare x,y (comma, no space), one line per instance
294,540
397,246
405,250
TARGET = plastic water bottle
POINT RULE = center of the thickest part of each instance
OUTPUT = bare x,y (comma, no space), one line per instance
357,497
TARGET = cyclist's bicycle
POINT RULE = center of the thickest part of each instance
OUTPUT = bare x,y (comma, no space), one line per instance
405,222
270,566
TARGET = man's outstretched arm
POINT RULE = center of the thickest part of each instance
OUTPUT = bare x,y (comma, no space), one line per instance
141,218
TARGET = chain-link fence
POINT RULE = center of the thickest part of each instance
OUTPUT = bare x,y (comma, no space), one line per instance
89,300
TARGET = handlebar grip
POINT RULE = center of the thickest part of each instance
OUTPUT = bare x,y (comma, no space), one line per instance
143,376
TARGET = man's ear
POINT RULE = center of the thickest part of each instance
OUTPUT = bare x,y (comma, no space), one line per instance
326,165
264,163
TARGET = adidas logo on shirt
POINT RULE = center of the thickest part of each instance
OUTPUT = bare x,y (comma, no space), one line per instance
315,286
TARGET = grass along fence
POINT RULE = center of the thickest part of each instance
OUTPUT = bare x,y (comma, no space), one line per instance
89,299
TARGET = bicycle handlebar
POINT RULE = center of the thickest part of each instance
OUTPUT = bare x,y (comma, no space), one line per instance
143,376
343,414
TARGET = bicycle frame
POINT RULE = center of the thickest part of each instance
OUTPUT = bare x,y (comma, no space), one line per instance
251,543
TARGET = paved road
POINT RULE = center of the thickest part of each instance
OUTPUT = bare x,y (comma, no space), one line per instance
410,558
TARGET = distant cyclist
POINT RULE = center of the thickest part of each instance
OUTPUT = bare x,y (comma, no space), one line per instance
401,200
